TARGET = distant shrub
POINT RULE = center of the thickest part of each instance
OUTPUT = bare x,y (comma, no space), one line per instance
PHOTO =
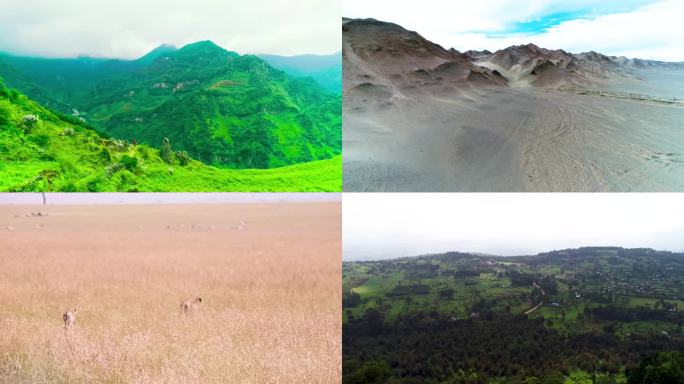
112,169
370,372
29,122
130,163
67,186
67,163
90,184
41,140
125,181
45,155
183,158
351,299
116,145
3,88
166,152
446,293
37,183
662,368
144,152
5,113
105,155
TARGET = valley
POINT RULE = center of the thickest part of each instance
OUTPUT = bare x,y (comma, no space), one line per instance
326,70
224,109
57,152
469,318
234,122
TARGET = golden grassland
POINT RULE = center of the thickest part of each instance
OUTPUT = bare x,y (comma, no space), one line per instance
269,276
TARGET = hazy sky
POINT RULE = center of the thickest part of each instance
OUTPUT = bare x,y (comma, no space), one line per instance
164,198
378,226
649,29
130,28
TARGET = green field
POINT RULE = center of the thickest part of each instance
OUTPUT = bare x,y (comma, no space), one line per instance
577,284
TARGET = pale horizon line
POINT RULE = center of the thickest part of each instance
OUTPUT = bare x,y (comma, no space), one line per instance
124,198
490,254
134,58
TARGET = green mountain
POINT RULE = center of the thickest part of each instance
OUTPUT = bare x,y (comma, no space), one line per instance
61,79
326,70
41,150
155,53
18,80
222,108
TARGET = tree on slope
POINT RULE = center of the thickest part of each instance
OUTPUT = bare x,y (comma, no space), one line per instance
663,368
166,152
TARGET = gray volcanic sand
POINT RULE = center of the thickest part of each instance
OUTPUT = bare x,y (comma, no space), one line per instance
520,139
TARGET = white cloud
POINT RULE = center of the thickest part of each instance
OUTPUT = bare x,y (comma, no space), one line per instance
649,32
439,20
653,32
401,224
130,28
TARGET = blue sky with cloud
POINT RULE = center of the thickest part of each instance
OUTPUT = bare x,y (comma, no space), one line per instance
647,29
540,24
558,12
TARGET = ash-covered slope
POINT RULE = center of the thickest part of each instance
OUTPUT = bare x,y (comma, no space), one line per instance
530,65
418,117
535,66
383,61
647,64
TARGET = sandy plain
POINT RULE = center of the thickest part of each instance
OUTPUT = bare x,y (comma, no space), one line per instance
612,138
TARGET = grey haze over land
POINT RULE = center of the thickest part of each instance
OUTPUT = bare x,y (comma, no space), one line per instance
382,226
128,29
105,198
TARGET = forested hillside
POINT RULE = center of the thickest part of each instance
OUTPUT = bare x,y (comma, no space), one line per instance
324,69
587,315
222,108
41,150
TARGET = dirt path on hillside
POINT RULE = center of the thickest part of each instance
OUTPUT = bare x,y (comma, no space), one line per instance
541,302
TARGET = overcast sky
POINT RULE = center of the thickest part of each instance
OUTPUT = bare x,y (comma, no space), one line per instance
649,29
130,28
380,226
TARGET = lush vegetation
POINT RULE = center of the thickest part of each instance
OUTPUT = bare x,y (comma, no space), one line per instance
594,315
221,108
324,69
661,368
41,150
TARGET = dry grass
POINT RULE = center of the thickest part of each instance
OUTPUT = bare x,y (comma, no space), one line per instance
271,310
